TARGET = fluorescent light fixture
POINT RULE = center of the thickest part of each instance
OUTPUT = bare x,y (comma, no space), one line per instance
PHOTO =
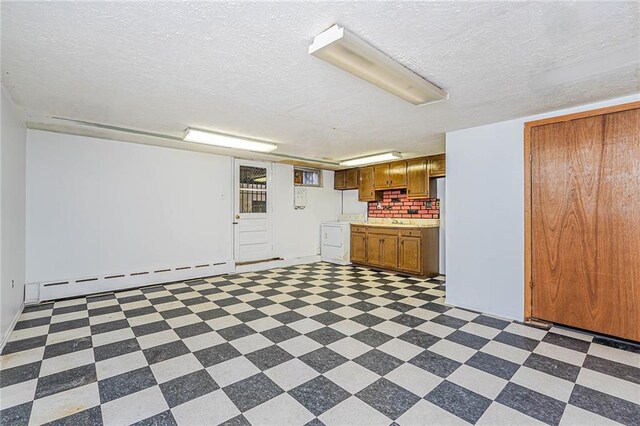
372,159
227,141
345,50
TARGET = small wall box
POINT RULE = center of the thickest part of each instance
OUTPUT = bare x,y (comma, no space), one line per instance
300,197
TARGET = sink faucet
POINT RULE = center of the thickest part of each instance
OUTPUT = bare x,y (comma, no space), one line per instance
394,221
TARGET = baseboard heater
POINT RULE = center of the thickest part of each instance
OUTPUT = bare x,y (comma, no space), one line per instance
61,289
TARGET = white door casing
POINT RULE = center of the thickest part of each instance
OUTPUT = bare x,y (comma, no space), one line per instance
253,211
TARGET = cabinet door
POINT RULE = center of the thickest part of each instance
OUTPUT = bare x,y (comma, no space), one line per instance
417,178
437,165
409,258
381,176
358,247
374,249
365,188
351,179
398,174
339,179
389,256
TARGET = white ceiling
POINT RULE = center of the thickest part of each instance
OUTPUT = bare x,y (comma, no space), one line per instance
243,68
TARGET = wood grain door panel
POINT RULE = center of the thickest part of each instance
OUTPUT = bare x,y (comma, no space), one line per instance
437,165
339,179
374,249
351,179
381,176
365,187
417,178
389,251
398,174
358,247
409,254
585,223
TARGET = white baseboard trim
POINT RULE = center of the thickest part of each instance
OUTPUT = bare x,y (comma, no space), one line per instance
5,338
43,291
283,263
476,309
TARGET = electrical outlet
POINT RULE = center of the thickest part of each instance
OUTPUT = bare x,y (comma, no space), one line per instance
13,283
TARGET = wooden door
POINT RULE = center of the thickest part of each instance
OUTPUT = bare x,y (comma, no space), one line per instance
358,247
409,254
381,176
398,174
351,179
417,178
389,256
437,166
585,223
374,249
365,188
339,179
253,205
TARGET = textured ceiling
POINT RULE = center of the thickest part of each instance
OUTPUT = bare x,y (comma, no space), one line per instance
243,68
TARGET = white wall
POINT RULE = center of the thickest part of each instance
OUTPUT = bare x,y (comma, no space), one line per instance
485,214
297,232
99,207
351,205
12,214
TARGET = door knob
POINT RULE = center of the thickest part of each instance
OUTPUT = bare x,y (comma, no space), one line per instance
237,216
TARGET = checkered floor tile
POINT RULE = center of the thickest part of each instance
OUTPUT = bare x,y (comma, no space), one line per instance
312,344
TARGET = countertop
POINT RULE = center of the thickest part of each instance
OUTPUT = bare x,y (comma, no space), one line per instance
401,223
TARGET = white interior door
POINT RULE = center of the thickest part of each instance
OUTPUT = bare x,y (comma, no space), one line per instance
253,224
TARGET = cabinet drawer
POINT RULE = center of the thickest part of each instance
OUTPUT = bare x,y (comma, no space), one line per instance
358,228
410,232
382,231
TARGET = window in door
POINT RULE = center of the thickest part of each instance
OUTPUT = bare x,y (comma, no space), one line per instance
253,189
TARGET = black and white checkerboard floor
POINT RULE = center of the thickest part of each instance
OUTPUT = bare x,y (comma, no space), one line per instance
311,344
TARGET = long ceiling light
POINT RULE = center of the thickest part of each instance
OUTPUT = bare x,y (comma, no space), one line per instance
345,50
372,159
227,141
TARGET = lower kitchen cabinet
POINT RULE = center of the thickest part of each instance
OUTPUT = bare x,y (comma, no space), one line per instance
358,247
410,254
389,251
409,250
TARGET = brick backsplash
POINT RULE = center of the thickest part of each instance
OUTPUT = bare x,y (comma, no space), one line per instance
395,204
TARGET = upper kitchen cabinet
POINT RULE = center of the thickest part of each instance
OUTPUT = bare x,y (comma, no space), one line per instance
398,174
366,190
437,166
381,176
339,179
390,175
346,179
351,179
411,174
418,178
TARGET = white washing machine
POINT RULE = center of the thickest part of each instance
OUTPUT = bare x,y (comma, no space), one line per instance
336,239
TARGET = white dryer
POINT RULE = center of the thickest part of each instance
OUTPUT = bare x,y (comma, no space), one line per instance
336,239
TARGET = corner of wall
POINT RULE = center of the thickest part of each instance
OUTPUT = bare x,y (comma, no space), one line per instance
12,214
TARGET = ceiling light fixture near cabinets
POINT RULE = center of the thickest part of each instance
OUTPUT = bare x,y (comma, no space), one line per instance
227,141
345,50
372,159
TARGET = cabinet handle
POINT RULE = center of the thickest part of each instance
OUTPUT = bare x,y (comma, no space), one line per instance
408,191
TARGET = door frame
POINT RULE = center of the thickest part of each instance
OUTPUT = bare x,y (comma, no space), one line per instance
237,162
528,190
